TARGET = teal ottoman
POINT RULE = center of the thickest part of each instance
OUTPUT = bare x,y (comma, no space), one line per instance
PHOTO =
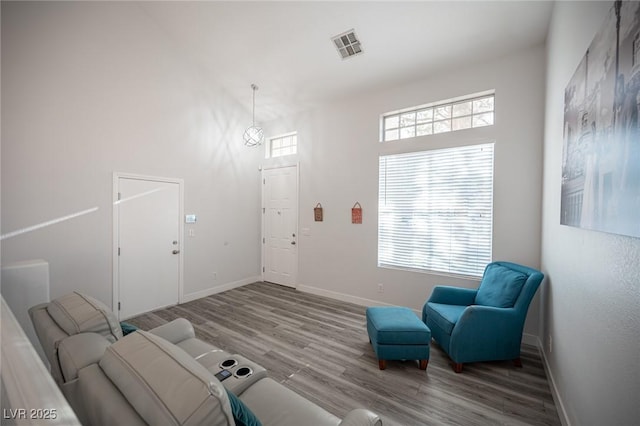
396,333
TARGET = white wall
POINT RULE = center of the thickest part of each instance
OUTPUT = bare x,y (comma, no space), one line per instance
89,89
591,299
338,155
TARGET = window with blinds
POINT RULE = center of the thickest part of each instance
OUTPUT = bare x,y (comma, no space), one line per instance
436,210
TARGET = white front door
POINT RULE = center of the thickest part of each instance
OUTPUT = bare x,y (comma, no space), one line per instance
148,239
280,229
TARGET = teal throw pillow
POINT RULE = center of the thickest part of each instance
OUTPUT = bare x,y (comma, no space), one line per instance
242,415
500,287
127,328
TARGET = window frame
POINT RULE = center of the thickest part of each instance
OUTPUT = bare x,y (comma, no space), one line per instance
445,120
283,136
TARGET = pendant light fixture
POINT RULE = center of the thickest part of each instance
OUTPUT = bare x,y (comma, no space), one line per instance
254,135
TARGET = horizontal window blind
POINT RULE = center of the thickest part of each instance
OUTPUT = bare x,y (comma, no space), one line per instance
436,210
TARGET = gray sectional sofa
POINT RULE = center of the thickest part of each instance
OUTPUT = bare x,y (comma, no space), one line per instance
162,377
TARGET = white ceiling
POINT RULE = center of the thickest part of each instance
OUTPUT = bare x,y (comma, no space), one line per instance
286,49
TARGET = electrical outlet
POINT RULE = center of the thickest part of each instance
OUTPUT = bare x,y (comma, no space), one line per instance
380,288
215,276
550,343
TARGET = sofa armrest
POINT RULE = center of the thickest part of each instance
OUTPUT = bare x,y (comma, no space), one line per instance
361,417
175,331
453,295
79,351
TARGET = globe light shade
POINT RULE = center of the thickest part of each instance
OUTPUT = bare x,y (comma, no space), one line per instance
253,136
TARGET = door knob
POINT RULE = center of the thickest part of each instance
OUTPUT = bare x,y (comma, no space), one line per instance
175,251
293,243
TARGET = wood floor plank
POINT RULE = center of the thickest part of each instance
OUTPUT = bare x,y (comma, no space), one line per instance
319,348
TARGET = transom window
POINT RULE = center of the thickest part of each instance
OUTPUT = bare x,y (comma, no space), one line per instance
283,145
446,116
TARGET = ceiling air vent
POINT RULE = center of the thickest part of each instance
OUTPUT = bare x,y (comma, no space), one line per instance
347,44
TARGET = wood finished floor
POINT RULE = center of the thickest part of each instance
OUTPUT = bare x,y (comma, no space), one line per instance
319,348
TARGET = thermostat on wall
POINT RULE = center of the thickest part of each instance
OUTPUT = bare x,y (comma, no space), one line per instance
190,218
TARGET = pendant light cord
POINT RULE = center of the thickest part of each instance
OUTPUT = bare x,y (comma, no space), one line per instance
254,87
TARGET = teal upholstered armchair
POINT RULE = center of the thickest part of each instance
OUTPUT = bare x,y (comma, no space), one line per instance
484,324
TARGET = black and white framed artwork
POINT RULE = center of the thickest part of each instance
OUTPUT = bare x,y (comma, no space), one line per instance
601,148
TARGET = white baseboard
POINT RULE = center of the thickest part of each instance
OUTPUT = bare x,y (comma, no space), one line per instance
219,289
530,339
340,296
562,412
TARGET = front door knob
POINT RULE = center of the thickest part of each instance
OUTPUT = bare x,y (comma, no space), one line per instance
176,251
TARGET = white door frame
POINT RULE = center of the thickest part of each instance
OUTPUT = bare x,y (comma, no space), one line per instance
116,227
262,260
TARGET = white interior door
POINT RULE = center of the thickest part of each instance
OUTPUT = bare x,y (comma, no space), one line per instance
280,230
148,245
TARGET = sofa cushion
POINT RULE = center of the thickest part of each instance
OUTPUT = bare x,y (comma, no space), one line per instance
500,287
443,316
78,313
275,404
127,328
78,351
164,384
